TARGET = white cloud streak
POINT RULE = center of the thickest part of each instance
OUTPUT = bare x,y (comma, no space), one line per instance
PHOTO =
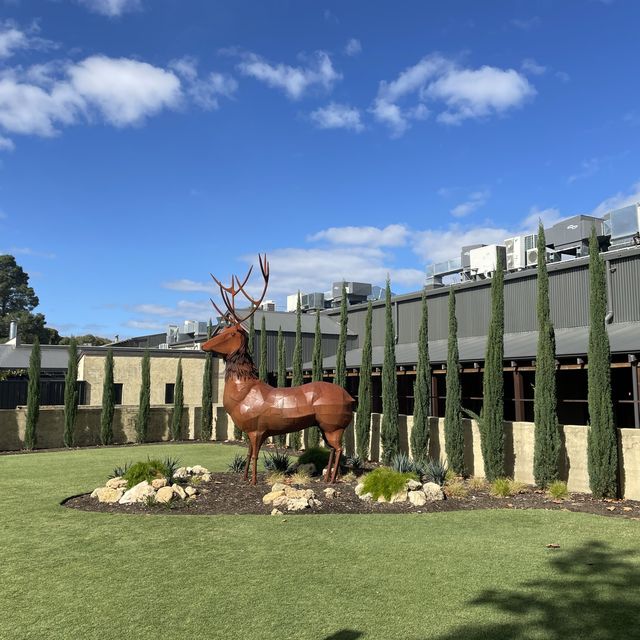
475,200
620,199
394,235
337,116
353,47
111,8
204,92
294,81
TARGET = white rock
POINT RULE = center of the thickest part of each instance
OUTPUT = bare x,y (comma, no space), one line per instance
94,493
140,493
206,477
158,483
433,491
330,493
401,496
165,494
116,483
181,472
359,488
290,492
271,496
191,491
315,503
297,504
279,486
280,501
365,496
417,498
413,485
199,470
109,494
382,499
179,491
276,512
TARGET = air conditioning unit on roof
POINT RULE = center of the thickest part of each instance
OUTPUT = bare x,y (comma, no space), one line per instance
532,256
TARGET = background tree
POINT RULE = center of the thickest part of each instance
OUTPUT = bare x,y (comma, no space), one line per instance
297,379
71,395
262,372
602,444
108,401
341,353
453,431
206,411
144,404
422,389
33,397
492,424
252,337
178,404
281,440
363,416
389,430
547,434
88,338
313,433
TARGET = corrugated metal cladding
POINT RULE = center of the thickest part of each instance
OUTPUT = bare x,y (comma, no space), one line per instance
519,312
408,315
625,285
569,297
438,318
472,310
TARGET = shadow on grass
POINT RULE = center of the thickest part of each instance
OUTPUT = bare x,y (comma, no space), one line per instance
344,634
592,593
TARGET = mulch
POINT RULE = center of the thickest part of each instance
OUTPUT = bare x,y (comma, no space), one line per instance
228,494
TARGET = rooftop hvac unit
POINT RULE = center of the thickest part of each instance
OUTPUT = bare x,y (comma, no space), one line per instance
516,251
483,261
550,256
465,260
572,235
163,345
624,224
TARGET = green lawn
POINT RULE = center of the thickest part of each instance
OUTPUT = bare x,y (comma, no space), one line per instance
483,574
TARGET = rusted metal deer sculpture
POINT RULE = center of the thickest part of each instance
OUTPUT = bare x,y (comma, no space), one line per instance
261,410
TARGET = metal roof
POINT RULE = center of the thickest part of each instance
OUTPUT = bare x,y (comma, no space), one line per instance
624,338
287,320
52,356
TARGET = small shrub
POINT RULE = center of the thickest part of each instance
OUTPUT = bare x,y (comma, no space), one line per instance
435,471
384,481
355,462
149,470
558,490
501,487
319,456
456,489
477,484
349,477
275,476
276,461
171,466
238,463
300,477
195,480
150,501
515,486
118,472
450,476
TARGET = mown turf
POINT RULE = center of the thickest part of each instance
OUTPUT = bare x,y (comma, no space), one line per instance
481,574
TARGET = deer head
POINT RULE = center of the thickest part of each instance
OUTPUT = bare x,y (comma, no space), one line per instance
233,337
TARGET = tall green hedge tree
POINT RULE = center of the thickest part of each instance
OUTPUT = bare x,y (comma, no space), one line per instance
453,430
33,397
389,430
313,433
295,438
71,395
206,413
108,401
281,440
178,404
252,337
363,417
262,371
492,424
546,451
422,389
602,445
144,403
341,354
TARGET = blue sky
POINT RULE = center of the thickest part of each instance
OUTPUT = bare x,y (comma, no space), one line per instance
146,143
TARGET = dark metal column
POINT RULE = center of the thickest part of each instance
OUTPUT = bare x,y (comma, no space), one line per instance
518,391
636,393
435,410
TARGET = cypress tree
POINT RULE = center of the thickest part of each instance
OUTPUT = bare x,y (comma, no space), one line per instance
252,336
262,372
602,446
144,404
341,354
71,394
363,417
313,433
178,404
492,425
547,435
389,430
281,440
206,413
108,401
295,439
453,431
422,389
33,397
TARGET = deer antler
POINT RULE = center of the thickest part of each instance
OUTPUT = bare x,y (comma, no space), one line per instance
229,293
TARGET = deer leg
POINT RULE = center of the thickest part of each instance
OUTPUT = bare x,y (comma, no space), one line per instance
335,440
327,475
336,465
256,442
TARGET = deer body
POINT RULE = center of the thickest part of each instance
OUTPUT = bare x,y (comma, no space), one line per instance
260,410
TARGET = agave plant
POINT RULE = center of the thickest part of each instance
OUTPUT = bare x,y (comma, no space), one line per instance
435,471
171,466
276,461
355,461
238,463
118,472
402,462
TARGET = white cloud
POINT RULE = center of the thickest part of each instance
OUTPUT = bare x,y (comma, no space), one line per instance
529,65
588,168
394,235
146,325
204,92
337,116
6,144
620,199
526,24
475,200
11,39
294,81
111,8
185,284
466,93
353,47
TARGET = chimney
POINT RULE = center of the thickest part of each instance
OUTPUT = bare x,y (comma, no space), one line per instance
14,339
